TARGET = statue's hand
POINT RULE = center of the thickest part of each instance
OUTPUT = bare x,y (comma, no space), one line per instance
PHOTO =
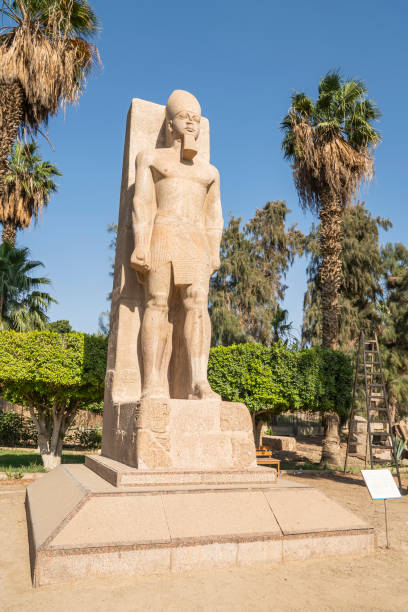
139,260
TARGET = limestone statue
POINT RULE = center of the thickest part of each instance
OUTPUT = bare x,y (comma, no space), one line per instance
177,224
159,410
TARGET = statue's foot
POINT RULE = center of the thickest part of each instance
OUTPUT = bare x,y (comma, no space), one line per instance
202,390
154,393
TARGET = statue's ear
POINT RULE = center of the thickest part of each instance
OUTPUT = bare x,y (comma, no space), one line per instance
170,126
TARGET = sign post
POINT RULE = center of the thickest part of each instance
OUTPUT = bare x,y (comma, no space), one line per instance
381,485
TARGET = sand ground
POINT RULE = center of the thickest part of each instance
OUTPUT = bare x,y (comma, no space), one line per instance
376,582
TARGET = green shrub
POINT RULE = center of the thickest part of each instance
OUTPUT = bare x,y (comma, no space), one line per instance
11,426
277,379
88,438
16,430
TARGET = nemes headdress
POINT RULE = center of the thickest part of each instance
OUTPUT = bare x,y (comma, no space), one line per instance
181,100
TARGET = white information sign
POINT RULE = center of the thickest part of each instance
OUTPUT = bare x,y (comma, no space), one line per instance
381,484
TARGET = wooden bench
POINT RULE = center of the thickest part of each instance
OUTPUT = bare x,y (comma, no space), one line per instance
264,457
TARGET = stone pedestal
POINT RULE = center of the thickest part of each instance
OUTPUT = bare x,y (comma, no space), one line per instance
82,526
179,434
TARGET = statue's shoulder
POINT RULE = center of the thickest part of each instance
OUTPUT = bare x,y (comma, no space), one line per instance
145,158
215,175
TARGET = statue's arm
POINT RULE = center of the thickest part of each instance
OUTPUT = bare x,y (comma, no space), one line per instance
142,212
214,221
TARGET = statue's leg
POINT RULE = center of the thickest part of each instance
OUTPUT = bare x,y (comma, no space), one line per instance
197,334
155,331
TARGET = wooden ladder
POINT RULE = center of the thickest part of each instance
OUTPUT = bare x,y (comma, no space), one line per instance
370,382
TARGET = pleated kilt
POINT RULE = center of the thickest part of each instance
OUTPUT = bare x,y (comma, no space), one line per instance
184,245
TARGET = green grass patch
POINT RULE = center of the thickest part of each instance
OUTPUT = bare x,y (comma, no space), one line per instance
20,461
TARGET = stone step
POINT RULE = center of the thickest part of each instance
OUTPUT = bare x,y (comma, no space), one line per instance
120,475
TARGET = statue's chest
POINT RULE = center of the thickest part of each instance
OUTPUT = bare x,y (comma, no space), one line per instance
195,172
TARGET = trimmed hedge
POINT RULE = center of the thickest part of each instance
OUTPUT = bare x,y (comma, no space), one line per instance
37,366
277,378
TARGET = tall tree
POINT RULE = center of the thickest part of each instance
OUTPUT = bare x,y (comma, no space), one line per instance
361,279
28,187
394,327
62,326
246,292
330,144
23,303
45,57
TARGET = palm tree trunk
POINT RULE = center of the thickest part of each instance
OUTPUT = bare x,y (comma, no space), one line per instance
331,214
9,232
11,117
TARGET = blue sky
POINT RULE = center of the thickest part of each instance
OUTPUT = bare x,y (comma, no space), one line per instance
242,60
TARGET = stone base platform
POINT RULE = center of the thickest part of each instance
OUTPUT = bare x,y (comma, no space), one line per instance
119,474
80,525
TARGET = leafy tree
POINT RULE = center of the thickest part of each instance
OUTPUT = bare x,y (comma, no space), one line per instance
60,327
53,375
394,327
330,144
28,188
269,380
23,305
361,279
44,60
246,291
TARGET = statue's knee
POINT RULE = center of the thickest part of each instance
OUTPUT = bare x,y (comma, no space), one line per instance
196,298
158,302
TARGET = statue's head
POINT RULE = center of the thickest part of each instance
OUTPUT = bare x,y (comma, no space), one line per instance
183,114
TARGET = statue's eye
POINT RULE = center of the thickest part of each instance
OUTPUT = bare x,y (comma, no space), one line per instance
196,118
182,115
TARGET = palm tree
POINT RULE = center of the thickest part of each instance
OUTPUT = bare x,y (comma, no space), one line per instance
330,144
28,188
44,60
23,305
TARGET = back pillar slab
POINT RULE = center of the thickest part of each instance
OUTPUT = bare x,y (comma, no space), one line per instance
144,131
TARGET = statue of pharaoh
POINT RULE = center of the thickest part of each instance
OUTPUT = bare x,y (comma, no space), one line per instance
177,226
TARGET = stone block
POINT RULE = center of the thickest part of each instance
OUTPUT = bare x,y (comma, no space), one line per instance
181,434
308,547
235,417
61,567
281,443
206,556
150,453
261,551
243,450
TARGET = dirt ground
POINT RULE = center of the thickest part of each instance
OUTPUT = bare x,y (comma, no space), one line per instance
376,582
309,450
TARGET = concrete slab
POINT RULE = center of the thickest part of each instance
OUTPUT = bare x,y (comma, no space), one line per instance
195,515
50,500
309,510
109,521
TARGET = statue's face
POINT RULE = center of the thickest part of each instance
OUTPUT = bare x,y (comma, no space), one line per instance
186,122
